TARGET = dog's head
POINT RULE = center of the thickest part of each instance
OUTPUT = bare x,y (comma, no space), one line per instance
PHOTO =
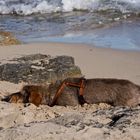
36,94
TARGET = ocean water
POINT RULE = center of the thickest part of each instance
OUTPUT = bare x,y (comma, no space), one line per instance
104,23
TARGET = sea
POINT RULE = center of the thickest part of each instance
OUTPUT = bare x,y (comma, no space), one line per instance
101,23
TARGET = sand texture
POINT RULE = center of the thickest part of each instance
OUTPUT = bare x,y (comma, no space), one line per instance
89,122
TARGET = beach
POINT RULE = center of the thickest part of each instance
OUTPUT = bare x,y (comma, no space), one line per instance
44,41
58,122
94,62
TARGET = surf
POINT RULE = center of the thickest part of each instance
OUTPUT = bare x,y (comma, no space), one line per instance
28,7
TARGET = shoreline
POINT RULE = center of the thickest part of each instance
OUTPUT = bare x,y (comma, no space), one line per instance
94,62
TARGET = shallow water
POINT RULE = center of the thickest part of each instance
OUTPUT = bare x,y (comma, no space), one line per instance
104,23
124,35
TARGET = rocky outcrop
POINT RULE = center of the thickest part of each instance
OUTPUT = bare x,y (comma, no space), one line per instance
39,68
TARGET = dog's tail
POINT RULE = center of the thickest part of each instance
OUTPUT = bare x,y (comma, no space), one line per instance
8,98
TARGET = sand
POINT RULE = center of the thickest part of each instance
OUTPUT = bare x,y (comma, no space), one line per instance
19,123
94,62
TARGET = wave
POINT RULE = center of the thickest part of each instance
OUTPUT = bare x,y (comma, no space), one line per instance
28,7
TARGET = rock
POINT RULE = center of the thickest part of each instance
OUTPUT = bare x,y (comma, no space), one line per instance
68,120
39,68
44,122
6,38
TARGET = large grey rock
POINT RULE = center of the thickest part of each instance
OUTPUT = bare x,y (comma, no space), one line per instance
39,68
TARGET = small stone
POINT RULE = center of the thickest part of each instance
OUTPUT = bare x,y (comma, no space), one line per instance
26,125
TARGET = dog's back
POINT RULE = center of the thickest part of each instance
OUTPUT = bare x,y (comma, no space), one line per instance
112,91
117,92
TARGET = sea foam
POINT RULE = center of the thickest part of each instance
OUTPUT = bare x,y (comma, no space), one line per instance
27,7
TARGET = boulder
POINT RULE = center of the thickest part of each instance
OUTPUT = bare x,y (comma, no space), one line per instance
39,68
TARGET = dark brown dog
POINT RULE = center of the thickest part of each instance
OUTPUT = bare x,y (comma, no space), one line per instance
112,91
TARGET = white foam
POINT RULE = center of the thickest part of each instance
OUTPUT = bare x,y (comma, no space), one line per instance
27,7
69,5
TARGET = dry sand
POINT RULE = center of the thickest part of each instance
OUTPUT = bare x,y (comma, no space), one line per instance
94,62
41,123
